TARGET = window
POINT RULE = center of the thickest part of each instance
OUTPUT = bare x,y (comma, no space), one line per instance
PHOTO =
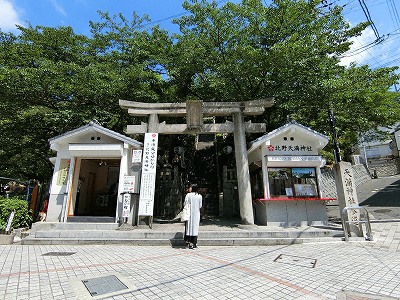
292,182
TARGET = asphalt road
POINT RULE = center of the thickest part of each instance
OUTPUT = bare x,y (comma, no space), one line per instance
381,197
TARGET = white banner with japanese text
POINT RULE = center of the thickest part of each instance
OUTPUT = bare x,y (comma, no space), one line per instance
148,180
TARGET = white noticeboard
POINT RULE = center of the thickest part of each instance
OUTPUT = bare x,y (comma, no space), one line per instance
129,184
148,180
136,156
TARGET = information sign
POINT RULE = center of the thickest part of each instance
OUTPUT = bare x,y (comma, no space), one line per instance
136,156
148,180
129,184
126,205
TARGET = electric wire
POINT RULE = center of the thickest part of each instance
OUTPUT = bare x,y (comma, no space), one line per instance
368,16
393,12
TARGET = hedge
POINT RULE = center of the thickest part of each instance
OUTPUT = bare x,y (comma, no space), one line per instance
22,217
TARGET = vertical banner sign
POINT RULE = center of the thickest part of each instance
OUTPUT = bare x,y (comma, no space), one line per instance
148,180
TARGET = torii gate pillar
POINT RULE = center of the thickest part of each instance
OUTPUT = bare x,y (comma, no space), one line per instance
242,170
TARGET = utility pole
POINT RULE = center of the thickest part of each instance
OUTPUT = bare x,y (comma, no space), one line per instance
336,149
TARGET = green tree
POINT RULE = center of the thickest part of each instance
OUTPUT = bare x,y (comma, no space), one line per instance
289,50
53,80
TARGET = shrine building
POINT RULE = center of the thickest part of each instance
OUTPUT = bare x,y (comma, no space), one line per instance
285,171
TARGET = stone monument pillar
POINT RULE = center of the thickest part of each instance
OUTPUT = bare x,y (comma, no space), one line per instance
347,195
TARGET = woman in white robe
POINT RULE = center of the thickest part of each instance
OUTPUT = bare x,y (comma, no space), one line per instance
195,200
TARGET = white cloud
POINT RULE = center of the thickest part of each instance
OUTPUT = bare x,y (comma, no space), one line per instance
360,51
8,16
58,7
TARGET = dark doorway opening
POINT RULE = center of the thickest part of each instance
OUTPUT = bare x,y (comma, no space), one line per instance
97,192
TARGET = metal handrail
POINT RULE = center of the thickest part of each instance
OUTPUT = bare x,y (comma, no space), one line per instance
345,223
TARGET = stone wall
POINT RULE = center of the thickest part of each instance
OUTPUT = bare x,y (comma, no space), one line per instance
360,172
385,167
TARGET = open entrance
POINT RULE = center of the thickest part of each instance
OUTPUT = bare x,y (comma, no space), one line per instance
97,191
203,159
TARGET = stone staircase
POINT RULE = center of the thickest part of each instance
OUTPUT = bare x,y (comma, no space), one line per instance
172,234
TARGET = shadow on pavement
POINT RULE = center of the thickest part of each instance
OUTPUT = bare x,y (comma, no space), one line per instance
385,196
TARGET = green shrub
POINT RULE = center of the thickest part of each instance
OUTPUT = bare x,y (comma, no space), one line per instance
329,157
22,217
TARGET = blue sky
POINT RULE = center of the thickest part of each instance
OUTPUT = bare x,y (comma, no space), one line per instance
78,13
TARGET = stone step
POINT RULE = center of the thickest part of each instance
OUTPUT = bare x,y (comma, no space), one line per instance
171,233
175,237
47,226
87,219
177,242
150,234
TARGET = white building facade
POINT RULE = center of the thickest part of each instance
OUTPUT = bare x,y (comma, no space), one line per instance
91,165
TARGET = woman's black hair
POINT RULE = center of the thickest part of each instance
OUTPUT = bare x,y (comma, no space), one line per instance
195,188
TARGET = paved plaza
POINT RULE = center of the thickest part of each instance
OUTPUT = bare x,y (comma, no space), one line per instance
299,271
318,270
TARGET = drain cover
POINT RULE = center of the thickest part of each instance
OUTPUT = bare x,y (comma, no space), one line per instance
296,260
104,285
58,253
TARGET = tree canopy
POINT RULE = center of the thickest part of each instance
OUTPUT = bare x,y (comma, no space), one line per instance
53,80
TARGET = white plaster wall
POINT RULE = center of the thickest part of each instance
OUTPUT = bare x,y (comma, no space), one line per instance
56,197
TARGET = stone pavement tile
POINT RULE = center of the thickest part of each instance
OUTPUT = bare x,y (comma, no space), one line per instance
348,295
306,271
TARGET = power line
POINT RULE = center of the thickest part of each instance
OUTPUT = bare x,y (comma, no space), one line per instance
368,16
393,12
364,47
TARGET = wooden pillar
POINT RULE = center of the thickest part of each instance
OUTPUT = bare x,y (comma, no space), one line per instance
242,169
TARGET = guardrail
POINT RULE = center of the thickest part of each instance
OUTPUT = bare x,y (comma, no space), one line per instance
364,219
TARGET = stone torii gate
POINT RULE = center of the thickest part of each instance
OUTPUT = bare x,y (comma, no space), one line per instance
195,111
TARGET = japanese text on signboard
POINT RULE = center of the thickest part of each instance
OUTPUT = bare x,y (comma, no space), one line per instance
290,148
148,180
